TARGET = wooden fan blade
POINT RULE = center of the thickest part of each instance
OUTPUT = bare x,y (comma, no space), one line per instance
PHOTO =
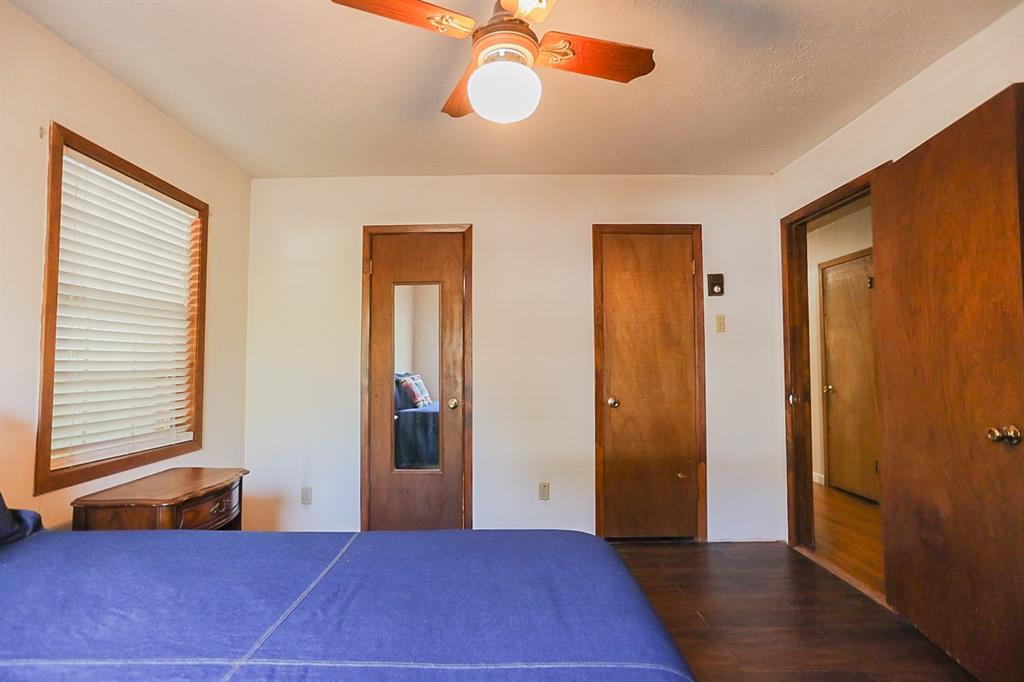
534,11
594,57
458,104
417,13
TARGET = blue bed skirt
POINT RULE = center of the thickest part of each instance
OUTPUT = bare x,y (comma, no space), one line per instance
395,606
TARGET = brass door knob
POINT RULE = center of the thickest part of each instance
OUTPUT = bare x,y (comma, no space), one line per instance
613,402
452,404
1008,434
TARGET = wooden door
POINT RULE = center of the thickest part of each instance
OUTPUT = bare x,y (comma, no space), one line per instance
950,337
416,456
848,374
649,390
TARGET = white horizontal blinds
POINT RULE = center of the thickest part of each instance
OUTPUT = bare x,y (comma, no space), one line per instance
126,317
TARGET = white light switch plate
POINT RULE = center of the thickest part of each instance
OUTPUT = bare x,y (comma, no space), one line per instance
720,324
306,496
543,491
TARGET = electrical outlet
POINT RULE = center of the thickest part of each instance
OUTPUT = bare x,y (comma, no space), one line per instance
720,324
306,496
544,491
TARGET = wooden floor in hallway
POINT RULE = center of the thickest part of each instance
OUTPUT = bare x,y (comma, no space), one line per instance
848,533
761,611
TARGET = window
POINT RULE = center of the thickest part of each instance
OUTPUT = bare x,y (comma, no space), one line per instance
124,294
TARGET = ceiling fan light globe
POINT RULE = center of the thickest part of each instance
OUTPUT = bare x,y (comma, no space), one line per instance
504,91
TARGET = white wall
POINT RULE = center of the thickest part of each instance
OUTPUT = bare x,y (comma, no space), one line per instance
837,234
533,341
427,337
981,67
417,333
404,325
42,79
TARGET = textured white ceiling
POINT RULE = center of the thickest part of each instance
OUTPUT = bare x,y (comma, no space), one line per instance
309,88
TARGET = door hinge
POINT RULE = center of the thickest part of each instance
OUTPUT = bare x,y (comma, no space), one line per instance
369,267
878,467
693,267
871,282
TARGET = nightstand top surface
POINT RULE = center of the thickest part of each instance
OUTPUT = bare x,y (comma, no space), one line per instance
168,487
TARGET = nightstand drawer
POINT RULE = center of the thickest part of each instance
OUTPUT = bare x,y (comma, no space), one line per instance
197,498
212,511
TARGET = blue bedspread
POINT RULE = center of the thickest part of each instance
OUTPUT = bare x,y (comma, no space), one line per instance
417,437
397,606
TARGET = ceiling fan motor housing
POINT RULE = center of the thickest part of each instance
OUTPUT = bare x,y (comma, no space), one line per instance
505,38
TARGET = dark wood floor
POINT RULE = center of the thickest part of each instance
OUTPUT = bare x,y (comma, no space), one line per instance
761,611
848,533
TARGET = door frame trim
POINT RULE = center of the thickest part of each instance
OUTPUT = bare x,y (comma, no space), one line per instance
797,353
467,364
823,347
599,230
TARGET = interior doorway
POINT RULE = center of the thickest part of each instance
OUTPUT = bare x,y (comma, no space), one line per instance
834,461
844,428
417,377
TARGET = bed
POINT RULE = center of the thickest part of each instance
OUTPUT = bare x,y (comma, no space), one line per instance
396,606
417,436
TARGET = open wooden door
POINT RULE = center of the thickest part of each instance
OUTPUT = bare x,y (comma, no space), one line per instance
949,313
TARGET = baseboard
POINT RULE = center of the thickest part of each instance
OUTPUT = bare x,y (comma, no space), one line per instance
846,577
818,478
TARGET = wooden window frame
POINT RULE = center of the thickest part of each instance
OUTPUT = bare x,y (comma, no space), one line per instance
46,478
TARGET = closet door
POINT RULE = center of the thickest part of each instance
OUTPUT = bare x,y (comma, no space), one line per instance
416,424
649,380
950,338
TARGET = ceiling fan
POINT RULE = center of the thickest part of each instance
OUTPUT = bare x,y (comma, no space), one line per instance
500,84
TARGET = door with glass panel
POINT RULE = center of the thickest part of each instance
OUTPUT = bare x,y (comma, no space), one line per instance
416,386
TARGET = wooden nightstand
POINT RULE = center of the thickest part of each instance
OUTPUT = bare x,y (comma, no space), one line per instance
191,498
